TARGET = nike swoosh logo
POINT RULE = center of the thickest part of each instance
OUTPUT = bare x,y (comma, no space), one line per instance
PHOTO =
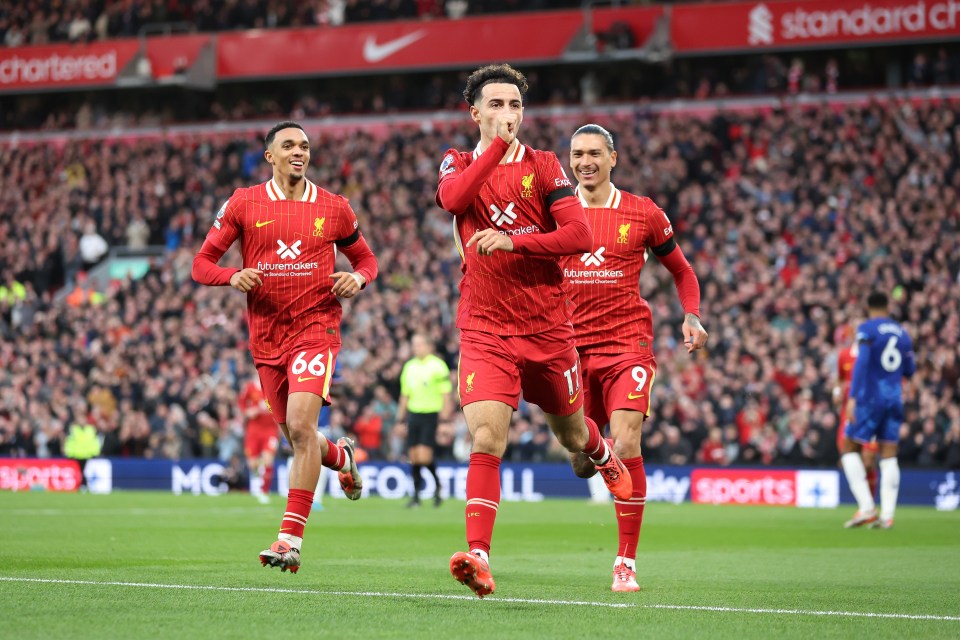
630,396
627,514
302,379
263,224
373,52
574,398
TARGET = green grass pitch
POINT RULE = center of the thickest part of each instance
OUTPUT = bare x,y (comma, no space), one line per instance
154,565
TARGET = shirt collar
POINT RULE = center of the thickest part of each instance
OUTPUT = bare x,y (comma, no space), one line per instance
613,201
276,193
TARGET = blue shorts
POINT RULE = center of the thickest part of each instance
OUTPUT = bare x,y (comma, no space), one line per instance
882,423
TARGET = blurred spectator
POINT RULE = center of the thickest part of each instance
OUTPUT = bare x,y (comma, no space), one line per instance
369,430
92,246
713,450
675,450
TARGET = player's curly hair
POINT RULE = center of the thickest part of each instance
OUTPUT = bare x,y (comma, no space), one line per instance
493,73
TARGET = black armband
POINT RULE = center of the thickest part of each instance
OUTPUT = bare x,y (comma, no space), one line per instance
349,240
665,248
557,194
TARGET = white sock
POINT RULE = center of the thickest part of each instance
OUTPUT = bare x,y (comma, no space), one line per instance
482,554
630,563
889,487
857,477
346,460
295,541
604,454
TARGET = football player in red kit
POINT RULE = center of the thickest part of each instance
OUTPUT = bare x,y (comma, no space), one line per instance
290,231
259,438
514,215
613,323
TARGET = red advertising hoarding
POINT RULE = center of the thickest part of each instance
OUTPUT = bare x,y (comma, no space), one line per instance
519,38
743,486
27,474
64,66
776,487
741,26
411,45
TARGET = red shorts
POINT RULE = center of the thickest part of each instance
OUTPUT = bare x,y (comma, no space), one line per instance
306,368
258,441
544,367
617,381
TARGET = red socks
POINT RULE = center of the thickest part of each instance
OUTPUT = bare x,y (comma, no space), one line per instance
483,499
335,456
298,508
630,512
266,479
595,448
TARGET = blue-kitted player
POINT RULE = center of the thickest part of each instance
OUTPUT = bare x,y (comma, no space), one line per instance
884,359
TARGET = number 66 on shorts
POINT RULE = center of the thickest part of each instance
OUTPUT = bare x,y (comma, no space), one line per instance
306,368
310,370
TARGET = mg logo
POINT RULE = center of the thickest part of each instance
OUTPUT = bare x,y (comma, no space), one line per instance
507,216
594,259
291,252
760,27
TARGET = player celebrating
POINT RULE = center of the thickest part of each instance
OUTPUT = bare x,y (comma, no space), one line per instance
846,358
613,323
875,409
516,208
259,440
290,231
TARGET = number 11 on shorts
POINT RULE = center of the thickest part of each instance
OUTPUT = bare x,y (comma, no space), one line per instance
573,381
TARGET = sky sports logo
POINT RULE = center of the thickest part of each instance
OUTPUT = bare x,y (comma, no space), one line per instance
766,487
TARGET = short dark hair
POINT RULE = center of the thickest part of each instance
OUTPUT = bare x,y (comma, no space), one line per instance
286,124
597,130
493,73
878,300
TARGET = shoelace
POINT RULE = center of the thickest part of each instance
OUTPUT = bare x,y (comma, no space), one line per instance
622,573
611,471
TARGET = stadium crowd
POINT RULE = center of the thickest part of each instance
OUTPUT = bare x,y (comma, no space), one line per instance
789,217
42,22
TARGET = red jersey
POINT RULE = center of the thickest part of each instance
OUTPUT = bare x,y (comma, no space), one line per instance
251,397
609,314
510,293
293,244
